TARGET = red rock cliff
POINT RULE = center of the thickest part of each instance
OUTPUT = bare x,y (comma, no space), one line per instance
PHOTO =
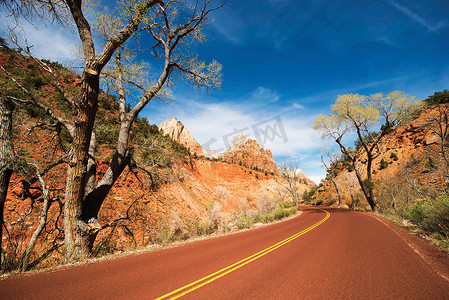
247,152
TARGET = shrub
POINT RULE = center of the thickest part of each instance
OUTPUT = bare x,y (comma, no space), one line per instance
367,183
383,164
243,222
307,195
279,213
204,227
350,168
394,157
431,215
431,164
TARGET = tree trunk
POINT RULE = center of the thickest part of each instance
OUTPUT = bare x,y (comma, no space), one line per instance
6,157
370,186
367,190
337,191
78,231
94,200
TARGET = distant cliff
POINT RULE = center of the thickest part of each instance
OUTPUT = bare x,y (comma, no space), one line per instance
247,152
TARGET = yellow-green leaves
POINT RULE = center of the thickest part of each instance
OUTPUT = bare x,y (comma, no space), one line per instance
355,112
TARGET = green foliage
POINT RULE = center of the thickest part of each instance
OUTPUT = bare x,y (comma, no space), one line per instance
350,168
430,164
3,42
431,215
367,183
284,210
63,104
108,102
394,157
204,227
244,222
33,81
54,64
383,164
106,133
438,98
21,160
308,195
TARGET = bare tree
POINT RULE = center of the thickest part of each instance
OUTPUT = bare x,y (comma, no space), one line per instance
48,200
290,171
171,26
437,123
331,169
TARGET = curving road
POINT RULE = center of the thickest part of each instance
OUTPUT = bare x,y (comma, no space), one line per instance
321,254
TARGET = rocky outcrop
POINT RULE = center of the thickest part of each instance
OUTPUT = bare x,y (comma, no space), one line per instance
301,177
212,154
179,133
247,152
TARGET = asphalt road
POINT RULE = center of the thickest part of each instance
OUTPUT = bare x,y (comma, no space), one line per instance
321,254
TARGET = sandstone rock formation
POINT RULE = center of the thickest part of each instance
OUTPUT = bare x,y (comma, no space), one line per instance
301,177
247,152
179,133
212,154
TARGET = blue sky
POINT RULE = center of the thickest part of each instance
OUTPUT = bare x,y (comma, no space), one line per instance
286,61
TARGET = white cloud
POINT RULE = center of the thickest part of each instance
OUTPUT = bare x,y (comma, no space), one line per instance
48,41
51,42
297,106
229,25
417,18
265,94
214,125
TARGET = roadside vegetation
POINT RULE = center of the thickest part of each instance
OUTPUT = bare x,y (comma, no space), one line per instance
267,209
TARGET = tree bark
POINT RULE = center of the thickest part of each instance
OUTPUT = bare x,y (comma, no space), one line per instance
78,231
6,157
337,191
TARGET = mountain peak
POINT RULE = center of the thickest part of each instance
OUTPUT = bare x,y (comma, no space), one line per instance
239,141
179,133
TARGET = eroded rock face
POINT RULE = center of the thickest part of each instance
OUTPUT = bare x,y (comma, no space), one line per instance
301,177
247,152
179,133
212,154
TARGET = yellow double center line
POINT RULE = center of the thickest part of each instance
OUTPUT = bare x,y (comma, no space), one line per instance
214,276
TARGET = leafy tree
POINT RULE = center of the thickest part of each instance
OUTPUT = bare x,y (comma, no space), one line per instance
438,98
359,114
